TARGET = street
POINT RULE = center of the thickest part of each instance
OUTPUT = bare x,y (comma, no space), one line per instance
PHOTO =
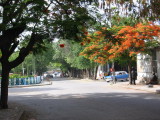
87,100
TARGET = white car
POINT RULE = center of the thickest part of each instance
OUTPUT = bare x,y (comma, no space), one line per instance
57,74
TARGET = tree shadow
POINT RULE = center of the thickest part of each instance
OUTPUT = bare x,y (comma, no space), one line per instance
63,78
93,106
32,89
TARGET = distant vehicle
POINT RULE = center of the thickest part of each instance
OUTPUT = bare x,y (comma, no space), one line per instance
49,76
57,74
119,76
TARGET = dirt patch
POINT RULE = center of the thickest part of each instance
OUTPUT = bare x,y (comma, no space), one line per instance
12,113
17,112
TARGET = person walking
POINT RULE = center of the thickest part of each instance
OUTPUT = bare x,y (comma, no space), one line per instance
133,76
113,75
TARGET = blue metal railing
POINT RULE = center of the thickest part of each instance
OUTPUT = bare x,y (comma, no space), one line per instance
25,81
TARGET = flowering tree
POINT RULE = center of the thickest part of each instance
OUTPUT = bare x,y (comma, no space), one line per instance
120,43
133,40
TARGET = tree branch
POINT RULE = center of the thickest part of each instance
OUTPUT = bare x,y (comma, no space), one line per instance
62,6
10,35
24,52
13,47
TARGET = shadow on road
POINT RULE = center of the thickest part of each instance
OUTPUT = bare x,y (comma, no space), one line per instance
93,106
63,78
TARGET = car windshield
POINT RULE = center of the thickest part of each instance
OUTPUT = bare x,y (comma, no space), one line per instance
120,73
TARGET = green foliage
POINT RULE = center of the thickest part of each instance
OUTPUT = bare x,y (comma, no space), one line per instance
75,60
15,76
35,63
122,21
12,76
68,57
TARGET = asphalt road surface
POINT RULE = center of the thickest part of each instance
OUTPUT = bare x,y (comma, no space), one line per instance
87,100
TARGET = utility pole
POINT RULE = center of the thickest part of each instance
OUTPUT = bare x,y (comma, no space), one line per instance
33,65
23,69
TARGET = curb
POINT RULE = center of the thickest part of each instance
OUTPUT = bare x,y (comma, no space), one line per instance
21,86
23,116
19,116
153,91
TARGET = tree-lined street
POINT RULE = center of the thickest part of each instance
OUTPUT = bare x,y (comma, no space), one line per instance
75,38
86,100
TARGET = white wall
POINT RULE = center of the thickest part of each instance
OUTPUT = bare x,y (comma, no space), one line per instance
144,68
158,64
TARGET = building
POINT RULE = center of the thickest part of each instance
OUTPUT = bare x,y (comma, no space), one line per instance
147,65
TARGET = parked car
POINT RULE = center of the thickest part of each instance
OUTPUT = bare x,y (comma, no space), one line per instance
57,74
119,76
49,76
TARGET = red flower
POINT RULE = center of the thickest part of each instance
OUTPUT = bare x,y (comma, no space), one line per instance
46,11
88,41
61,45
86,33
82,43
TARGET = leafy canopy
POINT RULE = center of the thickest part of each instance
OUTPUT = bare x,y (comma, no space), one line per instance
120,43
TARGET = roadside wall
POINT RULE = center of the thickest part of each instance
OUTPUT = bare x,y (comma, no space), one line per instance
144,68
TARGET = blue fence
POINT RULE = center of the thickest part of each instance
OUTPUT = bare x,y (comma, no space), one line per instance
25,81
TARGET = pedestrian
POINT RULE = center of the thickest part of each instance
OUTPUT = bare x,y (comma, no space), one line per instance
113,76
133,76
114,80
154,80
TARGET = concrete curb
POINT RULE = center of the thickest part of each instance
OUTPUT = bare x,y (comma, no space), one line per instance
20,114
150,90
138,89
21,86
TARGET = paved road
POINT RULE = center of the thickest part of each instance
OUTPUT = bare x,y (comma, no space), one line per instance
86,100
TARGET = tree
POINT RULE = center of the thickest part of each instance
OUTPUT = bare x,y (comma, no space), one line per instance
143,10
35,63
33,21
84,66
25,25
43,59
121,45
69,59
134,40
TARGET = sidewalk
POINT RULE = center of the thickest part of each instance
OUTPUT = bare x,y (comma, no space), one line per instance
154,89
146,88
15,110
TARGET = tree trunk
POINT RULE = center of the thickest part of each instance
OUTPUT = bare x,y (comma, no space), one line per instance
88,73
4,86
83,73
95,73
113,73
